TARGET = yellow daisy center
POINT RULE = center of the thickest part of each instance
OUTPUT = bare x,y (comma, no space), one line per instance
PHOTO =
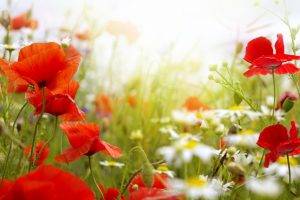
196,182
191,144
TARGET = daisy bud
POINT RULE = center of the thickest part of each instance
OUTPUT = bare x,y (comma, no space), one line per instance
136,135
211,77
213,68
231,150
135,187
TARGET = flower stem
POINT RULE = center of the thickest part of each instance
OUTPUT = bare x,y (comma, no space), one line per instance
31,162
94,179
260,161
289,167
11,142
50,139
274,94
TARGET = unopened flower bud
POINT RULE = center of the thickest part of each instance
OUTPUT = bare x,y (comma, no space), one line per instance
231,150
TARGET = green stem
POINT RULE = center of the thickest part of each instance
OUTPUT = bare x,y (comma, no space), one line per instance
94,179
289,167
274,94
31,162
260,161
11,142
50,139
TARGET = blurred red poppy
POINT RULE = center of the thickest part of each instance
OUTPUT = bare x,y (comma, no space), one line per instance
259,53
84,140
279,142
47,183
138,189
110,193
41,153
103,105
193,104
23,20
42,65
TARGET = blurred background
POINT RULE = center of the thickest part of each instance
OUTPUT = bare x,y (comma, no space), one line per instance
143,33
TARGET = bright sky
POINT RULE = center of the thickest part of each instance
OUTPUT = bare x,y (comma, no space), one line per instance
209,26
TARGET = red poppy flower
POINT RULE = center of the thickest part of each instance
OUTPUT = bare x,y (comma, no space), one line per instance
138,189
84,140
279,142
23,20
40,155
46,65
48,183
103,105
193,104
259,53
110,193
159,181
58,102
5,187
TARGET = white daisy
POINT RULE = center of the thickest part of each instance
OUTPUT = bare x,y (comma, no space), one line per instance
246,138
269,186
185,148
200,187
186,118
107,163
280,168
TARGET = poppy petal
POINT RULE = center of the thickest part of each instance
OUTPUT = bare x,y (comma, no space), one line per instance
109,149
270,158
72,154
293,130
279,45
79,133
254,70
287,68
258,47
272,136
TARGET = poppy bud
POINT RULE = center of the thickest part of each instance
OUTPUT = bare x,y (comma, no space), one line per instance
147,169
287,105
286,101
147,173
237,98
5,19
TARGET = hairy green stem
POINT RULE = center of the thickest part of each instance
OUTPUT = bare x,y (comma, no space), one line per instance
11,142
31,159
94,179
